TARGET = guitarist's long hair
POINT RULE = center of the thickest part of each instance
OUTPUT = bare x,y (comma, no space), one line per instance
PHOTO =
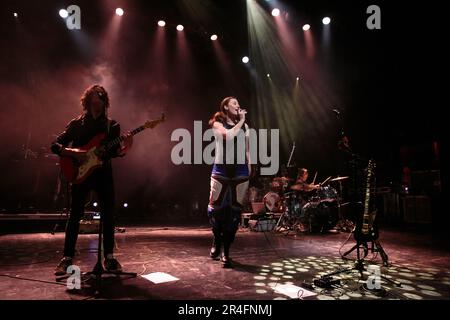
87,96
220,116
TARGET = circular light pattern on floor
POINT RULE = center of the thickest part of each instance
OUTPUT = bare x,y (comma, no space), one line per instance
406,274
425,274
405,281
277,264
274,278
426,278
324,297
392,271
426,287
291,271
278,268
412,296
298,270
431,293
407,287
354,295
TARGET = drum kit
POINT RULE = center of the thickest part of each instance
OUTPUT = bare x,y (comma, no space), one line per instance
304,207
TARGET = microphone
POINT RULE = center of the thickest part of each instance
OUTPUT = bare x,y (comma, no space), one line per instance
336,111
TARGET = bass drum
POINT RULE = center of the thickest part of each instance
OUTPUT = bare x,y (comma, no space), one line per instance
273,202
320,216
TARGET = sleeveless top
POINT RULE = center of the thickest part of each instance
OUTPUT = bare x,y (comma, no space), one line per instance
231,152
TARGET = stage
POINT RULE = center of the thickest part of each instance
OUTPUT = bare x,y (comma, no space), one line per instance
263,263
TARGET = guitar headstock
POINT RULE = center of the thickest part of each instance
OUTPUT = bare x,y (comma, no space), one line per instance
150,124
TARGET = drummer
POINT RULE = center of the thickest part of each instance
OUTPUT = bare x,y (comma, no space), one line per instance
302,182
282,183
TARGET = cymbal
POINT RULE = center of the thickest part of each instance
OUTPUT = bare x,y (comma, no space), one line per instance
339,178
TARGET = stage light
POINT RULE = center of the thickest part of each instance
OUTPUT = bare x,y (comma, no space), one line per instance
125,205
245,59
180,27
95,204
161,23
119,11
15,15
63,13
297,78
326,20
276,12
214,37
268,75
306,27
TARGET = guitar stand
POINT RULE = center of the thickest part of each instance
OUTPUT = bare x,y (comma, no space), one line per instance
375,246
98,270
328,282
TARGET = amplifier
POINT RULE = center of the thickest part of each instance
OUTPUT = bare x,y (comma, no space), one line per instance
417,209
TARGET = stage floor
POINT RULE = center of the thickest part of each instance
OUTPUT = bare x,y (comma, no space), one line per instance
263,263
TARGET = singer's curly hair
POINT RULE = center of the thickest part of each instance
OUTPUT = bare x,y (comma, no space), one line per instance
89,92
222,114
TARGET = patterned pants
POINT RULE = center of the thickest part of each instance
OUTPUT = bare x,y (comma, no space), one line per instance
229,184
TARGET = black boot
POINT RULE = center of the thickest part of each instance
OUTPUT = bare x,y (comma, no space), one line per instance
216,245
226,261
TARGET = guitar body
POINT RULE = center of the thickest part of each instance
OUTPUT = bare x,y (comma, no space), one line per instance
76,173
363,232
366,229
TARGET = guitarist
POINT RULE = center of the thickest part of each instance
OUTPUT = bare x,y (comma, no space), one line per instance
79,132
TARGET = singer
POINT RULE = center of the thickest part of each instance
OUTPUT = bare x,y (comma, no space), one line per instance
229,182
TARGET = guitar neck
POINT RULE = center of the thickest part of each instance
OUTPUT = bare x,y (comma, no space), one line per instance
119,139
366,216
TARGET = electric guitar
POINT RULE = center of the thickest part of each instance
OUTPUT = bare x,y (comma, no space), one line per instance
365,229
76,172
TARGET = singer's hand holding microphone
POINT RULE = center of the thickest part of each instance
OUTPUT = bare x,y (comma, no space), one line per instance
242,113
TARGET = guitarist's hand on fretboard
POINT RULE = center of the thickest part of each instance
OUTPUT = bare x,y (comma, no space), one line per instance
100,152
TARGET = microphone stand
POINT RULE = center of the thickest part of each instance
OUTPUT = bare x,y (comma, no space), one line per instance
98,270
